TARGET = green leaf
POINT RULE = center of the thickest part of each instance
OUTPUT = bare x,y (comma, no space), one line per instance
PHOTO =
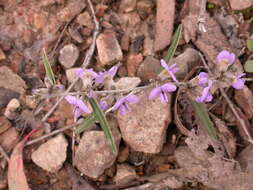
48,68
202,115
90,120
248,66
172,49
250,44
99,114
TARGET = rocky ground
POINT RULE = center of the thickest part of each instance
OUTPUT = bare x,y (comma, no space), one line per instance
159,145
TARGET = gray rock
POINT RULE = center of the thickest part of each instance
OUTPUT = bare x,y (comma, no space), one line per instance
144,126
51,155
125,174
68,55
6,95
245,159
127,82
11,81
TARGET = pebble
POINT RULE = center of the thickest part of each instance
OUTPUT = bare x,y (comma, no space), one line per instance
68,56
125,174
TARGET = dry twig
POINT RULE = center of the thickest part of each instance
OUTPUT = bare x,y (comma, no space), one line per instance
2,151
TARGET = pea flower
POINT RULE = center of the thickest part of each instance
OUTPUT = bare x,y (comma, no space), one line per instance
106,75
239,82
103,105
206,96
162,92
80,107
122,104
85,73
203,79
171,69
226,57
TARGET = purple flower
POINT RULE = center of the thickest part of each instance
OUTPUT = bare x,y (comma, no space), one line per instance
103,105
80,107
203,79
171,69
239,82
206,96
88,72
162,91
226,56
122,104
106,74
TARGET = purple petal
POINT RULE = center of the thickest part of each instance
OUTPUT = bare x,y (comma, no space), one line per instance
164,64
132,98
77,113
239,84
123,109
173,68
163,97
241,75
168,87
100,78
103,105
81,105
112,72
92,73
173,76
60,86
203,79
154,93
118,104
71,99
79,72
209,97
226,56
198,99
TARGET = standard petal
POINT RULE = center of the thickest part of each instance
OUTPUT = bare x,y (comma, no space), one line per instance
131,98
168,87
154,93
239,84
71,99
81,105
164,64
112,72
226,56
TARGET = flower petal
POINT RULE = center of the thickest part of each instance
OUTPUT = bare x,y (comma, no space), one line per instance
100,78
163,97
226,56
239,84
71,99
154,93
132,98
112,72
203,79
123,109
103,105
118,104
92,73
168,87
164,64
77,113
81,105
79,72
209,97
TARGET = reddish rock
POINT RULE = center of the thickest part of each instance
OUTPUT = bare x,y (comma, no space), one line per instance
144,126
240,4
148,69
4,124
109,50
124,43
9,138
85,19
165,12
125,174
133,62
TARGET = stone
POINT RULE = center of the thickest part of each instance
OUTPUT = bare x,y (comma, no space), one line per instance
144,126
10,111
2,55
6,95
245,159
4,124
109,50
144,8
125,174
133,62
9,138
148,69
11,81
72,9
68,56
51,155
85,19
127,5
127,83
240,4
94,154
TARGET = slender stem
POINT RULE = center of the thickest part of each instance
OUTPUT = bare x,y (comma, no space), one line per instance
5,155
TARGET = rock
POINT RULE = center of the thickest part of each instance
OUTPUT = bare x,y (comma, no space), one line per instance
4,124
51,155
11,81
93,154
85,19
144,126
127,5
109,50
6,95
72,9
144,8
244,98
124,43
123,154
165,12
240,4
9,138
71,74
10,111
245,159
133,62
2,55
148,69
125,174
68,55
127,82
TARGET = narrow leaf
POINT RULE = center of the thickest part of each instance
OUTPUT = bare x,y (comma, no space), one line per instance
248,66
90,120
99,114
48,68
202,115
250,44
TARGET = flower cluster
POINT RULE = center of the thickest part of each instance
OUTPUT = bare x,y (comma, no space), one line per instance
206,84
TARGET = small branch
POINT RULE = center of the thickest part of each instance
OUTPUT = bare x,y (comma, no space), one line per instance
201,18
2,151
